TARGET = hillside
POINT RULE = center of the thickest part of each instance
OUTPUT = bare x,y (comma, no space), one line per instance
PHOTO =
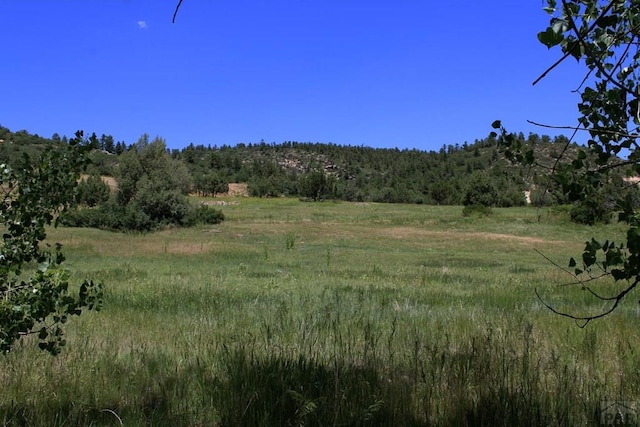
368,174
352,173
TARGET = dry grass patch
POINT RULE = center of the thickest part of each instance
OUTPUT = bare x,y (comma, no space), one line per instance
109,180
405,233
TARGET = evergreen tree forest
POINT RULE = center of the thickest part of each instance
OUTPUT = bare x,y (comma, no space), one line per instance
467,174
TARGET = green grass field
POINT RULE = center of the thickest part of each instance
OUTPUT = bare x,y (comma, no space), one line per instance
332,313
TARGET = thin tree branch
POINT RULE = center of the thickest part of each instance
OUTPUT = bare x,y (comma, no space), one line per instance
600,297
570,51
555,64
175,13
581,41
584,281
555,264
587,319
572,274
586,77
598,130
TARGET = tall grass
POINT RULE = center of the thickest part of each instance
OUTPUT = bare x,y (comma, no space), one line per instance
366,315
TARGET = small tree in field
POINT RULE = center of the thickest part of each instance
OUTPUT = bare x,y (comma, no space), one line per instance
604,36
92,191
317,186
34,288
480,191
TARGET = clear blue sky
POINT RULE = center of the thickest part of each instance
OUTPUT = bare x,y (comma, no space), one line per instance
380,73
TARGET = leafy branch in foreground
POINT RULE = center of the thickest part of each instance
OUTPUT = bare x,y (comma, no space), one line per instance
605,37
34,288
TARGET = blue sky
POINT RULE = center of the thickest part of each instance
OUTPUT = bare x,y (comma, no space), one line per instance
379,73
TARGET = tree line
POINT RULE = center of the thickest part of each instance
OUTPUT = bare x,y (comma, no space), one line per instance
153,181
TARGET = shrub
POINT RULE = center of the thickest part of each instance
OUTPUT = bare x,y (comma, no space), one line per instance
92,191
542,197
509,196
590,212
204,215
110,216
317,186
480,191
476,210
163,206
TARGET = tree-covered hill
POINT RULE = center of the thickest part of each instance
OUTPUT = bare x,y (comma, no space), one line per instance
354,173
371,174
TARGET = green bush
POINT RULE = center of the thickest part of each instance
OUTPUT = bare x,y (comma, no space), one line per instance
92,191
81,217
131,217
317,186
480,191
163,206
204,215
476,210
110,216
510,196
542,197
590,212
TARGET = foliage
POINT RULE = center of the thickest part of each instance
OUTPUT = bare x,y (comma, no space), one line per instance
542,197
268,179
590,211
603,36
480,191
356,173
152,192
110,216
92,191
317,186
476,210
34,288
204,215
210,184
102,163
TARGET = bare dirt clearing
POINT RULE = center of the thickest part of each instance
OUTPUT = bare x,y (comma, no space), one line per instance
237,190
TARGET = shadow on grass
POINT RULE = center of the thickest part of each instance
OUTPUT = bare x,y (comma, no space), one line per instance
278,391
465,389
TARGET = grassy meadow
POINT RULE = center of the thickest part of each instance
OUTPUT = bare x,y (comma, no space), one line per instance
332,313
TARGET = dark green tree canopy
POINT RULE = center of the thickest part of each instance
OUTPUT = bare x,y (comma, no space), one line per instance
480,191
152,190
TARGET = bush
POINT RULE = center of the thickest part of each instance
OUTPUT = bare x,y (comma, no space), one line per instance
542,197
317,186
204,215
92,191
476,210
81,217
510,196
161,205
265,187
480,191
590,212
115,217
110,216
